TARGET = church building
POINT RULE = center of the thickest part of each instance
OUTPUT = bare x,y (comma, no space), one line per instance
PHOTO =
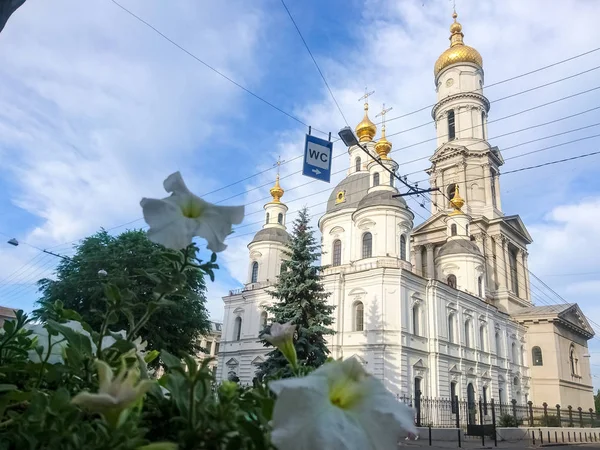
443,307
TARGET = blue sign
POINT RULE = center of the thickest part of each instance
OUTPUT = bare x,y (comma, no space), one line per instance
317,158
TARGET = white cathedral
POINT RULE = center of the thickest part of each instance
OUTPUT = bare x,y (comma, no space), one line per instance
443,307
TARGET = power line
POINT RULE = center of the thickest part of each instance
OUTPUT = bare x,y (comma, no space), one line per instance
393,134
314,60
183,49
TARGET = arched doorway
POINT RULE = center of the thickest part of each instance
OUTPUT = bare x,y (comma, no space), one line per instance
471,405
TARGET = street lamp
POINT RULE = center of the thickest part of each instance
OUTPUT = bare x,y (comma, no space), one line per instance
348,137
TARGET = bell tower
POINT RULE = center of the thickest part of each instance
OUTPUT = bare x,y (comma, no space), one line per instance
463,156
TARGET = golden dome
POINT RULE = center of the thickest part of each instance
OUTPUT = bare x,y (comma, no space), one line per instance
383,146
458,51
366,129
457,202
276,191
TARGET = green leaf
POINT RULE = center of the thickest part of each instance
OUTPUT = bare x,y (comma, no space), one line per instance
159,446
7,387
213,257
172,362
77,341
151,356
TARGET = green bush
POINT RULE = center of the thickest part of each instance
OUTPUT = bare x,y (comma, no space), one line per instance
509,421
550,421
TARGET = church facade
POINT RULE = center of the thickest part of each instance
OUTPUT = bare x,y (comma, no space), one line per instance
444,307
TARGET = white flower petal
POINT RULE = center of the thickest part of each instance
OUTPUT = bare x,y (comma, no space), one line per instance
159,213
175,184
168,226
216,224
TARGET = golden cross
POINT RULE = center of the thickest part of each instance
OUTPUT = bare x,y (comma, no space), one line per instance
278,163
383,113
366,96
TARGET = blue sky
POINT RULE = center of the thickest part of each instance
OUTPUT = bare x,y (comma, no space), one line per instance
97,110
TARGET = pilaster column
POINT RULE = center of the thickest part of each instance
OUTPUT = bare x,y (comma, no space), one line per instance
433,183
497,187
521,274
213,345
499,263
418,260
487,183
430,264
506,263
526,272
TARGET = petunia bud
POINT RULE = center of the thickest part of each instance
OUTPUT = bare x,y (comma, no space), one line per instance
282,337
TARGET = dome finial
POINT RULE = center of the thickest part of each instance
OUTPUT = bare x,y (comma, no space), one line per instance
277,191
457,202
366,129
383,146
458,51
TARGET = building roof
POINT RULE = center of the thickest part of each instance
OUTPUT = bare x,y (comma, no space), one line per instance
459,247
381,198
354,187
272,234
534,311
7,313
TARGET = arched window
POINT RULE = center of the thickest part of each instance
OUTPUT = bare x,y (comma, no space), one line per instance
237,329
573,360
515,357
337,252
367,245
482,125
403,248
359,316
467,229
451,125
391,180
498,345
480,285
416,320
280,218
263,320
254,276
483,338
453,230
267,219
468,342
357,164
536,356
451,337
424,261
452,281
376,179
451,190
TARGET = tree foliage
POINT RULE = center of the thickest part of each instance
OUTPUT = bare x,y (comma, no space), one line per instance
125,261
302,300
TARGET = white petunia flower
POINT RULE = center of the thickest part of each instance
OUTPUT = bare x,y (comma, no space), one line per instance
282,337
338,406
115,393
175,220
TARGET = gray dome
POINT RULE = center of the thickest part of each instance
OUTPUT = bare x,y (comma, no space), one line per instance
355,187
381,198
456,247
271,234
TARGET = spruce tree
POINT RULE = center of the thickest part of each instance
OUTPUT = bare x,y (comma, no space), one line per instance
302,300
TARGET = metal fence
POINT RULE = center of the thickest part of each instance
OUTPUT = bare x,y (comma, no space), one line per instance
471,415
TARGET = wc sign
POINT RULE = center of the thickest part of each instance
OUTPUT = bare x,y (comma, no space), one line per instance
317,158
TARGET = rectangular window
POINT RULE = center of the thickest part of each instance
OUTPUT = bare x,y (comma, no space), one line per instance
451,125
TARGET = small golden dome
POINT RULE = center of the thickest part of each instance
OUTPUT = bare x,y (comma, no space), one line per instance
458,51
383,146
366,129
457,202
276,191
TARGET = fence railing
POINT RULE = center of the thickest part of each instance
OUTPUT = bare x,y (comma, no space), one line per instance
465,414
